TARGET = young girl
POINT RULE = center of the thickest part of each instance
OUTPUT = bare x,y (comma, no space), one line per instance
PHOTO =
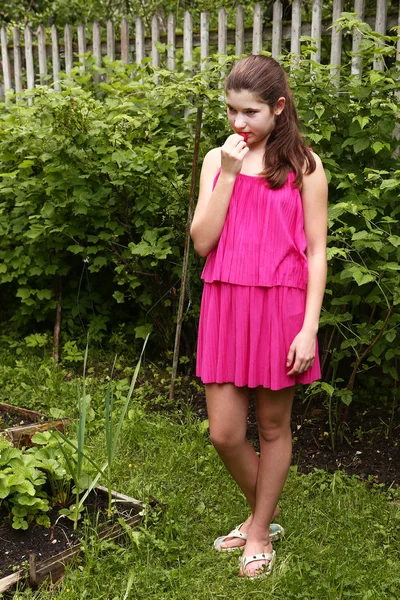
261,221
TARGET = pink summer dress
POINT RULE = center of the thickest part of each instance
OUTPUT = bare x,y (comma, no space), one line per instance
255,289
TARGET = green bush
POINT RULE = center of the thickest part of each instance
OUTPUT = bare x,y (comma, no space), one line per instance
94,192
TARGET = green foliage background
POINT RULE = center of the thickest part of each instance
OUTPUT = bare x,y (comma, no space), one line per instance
94,191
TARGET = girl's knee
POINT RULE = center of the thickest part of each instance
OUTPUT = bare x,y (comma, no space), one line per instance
225,440
271,432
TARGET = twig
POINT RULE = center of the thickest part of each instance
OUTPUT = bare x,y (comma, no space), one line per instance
185,264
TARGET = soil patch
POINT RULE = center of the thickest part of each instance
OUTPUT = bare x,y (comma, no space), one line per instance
9,419
16,545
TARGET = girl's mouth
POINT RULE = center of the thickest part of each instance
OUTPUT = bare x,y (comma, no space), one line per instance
244,135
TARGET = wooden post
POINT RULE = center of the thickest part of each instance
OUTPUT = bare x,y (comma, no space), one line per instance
185,265
5,60
239,33
356,61
41,34
17,59
277,29
55,55
222,31
97,49
204,39
139,41
30,71
296,27
82,45
380,27
110,40
68,49
316,22
155,37
336,48
187,40
171,41
257,28
32,570
124,29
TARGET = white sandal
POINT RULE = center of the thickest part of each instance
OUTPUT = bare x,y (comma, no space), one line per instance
275,531
265,570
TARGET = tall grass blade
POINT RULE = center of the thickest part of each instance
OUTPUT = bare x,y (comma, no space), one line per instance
128,398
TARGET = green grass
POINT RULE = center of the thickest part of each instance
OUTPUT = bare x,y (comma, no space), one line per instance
342,536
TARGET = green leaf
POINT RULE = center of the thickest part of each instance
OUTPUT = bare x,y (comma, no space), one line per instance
361,144
142,331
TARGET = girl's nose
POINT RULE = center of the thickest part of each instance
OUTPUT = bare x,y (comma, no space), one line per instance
240,122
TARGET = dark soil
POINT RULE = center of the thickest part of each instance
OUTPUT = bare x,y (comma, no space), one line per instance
10,419
369,446
16,545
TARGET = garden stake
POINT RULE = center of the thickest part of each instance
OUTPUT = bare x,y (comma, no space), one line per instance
185,264
32,570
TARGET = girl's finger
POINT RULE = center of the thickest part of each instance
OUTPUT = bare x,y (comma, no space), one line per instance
290,357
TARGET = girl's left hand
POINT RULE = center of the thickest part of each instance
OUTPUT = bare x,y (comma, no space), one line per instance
301,353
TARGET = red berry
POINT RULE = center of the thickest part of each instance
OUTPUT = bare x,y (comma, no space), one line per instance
244,135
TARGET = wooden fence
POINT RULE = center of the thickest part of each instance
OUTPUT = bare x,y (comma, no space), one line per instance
41,56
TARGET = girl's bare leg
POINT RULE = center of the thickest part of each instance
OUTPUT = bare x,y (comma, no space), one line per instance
227,407
273,416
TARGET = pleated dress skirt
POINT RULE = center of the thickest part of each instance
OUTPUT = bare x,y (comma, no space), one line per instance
245,333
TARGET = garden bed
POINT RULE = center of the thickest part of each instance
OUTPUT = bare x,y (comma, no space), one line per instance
42,552
20,424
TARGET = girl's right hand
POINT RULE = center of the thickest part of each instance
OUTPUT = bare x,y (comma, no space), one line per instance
232,154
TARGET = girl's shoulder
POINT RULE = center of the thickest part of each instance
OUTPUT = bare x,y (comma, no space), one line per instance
213,158
212,163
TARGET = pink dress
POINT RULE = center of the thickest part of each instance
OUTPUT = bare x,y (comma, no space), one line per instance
255,289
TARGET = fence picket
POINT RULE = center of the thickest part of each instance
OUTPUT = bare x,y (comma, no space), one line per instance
171,41
97,49
41,35
222,31
139,41
277,29
239,32
82,45
336,47
110,40
187,40
5,59
124,30
204,38
380,27
17,59
30,69
316,27
296,27
69,61
155,37
55,55
257,28
356,61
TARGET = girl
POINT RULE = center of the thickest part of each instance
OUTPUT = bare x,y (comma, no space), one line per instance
261,221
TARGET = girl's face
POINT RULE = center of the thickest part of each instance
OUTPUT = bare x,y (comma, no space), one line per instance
248,114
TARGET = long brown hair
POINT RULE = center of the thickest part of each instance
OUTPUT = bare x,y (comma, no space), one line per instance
285,149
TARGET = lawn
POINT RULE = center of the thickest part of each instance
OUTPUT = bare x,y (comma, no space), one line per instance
342,534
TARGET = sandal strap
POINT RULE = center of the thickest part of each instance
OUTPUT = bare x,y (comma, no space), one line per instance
246,560
237,533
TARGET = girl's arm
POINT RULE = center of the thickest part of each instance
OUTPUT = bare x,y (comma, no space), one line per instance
212,205
315,208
